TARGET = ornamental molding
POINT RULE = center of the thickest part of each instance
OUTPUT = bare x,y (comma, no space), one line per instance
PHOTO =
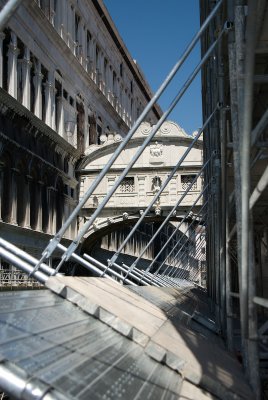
168,128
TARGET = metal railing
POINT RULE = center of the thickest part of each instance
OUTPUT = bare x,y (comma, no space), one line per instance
226,213
16,279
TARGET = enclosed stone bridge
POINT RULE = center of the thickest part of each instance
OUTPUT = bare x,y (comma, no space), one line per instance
137,190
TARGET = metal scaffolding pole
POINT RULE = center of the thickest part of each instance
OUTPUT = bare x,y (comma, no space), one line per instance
72,247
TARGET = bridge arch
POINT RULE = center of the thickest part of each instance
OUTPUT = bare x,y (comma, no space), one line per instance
104,239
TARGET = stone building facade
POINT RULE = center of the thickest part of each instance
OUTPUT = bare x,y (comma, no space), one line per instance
66,80
148,173
137,190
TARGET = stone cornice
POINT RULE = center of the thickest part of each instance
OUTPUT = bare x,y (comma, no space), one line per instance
66,178
187,168
22,111
96,151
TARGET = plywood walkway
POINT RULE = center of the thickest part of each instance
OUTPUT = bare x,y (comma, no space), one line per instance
164,322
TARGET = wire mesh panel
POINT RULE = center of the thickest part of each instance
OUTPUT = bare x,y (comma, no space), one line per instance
187,180
127,185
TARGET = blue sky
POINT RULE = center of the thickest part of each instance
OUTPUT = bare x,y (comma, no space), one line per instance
156,33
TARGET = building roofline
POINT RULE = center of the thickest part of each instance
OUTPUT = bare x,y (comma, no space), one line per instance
137,73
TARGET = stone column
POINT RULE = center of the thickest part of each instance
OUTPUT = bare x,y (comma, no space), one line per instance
73,226
60,121
173,190
93,59
38,90
39,205
86,133
58,16
116,96
53,108
13,52
14,196
26,66
142,190
109,83
70,24
84,45
134,107
73,47
64,19
27,220
2,37
50,101
2,165
101,71
51,210
110,184
124,105
127,108
121,99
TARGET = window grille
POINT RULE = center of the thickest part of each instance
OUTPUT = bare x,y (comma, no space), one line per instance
186,181
127,185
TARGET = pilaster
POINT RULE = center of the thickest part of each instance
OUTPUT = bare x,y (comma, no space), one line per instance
51,210
2,37
14,196
38,90
26,66
50,101
93,59
13,52
39,205
60,122
2,165
27,221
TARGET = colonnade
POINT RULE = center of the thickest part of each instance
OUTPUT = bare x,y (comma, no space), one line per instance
31,200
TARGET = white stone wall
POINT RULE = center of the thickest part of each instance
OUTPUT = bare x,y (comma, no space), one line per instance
64,65
157,160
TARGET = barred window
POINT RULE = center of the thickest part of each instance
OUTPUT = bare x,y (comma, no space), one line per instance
186,181
127,185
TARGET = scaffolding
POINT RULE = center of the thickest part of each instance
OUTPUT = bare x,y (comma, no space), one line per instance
228,233
237,233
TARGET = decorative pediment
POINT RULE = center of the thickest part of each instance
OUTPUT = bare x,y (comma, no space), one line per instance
168,128
163,150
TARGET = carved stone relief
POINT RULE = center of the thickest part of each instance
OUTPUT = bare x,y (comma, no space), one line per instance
156,153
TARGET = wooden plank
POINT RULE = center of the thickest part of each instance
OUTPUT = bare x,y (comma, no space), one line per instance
144,321
205,363
192,392
124,293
